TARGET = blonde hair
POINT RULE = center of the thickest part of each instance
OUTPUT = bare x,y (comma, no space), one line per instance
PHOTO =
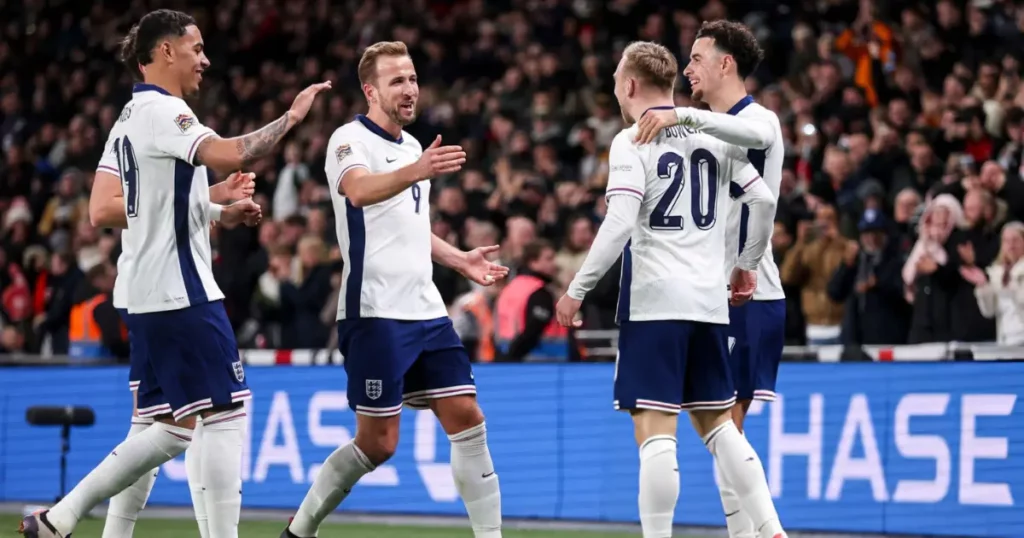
368,63
652,63
315,244
1015,226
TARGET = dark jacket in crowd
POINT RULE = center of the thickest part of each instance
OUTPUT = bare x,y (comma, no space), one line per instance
879,315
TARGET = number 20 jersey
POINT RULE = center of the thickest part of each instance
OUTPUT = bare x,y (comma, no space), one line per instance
673,265
166,260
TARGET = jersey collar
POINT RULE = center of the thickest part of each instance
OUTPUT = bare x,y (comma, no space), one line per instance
142,87
740,105
377,129
664,107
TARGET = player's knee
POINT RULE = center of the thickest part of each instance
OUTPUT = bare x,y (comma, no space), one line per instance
458,414
378,439
705,420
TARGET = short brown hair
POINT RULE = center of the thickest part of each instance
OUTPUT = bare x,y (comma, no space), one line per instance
535,249
368,63
652,63
736,40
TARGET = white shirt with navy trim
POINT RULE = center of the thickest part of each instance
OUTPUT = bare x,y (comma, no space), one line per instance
768,163
388,272
166,260
672,266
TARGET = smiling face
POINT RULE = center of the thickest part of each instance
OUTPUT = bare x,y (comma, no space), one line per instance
395,89
187,59
706,68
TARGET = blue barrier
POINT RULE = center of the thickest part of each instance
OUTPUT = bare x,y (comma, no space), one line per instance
932,448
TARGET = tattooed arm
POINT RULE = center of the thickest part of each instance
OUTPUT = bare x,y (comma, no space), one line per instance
229,154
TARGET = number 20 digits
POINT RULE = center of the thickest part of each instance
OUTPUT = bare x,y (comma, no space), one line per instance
670,166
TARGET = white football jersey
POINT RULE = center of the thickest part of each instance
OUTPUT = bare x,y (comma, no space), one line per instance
672,267
388,272
166,259
768,163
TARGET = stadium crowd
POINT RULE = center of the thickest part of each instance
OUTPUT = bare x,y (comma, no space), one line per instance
900,205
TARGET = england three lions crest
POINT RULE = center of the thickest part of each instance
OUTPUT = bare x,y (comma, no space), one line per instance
374,388
239,371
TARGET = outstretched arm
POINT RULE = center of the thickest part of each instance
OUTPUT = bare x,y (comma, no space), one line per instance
745,132
472,265
446,254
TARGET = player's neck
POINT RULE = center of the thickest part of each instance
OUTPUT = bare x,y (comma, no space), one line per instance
378,116
642,105
727,97
167,83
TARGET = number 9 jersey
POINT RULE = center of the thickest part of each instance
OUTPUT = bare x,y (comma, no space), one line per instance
673,267
152,147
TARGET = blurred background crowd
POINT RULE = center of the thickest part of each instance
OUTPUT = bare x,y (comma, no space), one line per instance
900,201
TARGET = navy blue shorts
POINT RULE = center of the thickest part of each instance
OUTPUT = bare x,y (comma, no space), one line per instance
757,334
390,362
186,360
673,365
135,364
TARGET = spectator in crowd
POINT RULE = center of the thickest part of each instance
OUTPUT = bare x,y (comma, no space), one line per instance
526,329
869,283
95,328
578,237
809,265
931,273
1001,295
55,288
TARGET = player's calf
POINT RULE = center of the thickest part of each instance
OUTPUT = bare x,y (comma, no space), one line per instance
375,443
655,433
472,467
740,467
220,467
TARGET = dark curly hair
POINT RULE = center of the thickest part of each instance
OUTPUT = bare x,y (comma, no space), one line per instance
137,47
736,40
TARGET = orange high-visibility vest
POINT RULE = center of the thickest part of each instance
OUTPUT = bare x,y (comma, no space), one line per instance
84,335
511,313
479,307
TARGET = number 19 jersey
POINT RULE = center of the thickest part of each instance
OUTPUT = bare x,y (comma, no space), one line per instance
673,265
151,148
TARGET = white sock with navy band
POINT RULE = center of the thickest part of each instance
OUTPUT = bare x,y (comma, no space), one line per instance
339,473
124,508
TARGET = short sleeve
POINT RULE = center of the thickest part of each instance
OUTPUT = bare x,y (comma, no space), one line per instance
108,161
625,169
343,155
176,130
743,179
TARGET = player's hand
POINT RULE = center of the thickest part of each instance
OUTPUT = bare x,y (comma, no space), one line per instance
478,269
742,286
240,185
651,124
303,101
438,159
243,211
566,311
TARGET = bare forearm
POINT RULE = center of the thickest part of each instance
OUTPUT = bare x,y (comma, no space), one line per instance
446,254
108,213
241,151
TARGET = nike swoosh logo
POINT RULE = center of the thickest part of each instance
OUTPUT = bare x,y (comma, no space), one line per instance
347,491
390,160
732,513
487,474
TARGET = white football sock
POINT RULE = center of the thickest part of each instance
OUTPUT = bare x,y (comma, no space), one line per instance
476,480
742,470
134,457
221,476
736,519
340,471
194,470
659,485
124,507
